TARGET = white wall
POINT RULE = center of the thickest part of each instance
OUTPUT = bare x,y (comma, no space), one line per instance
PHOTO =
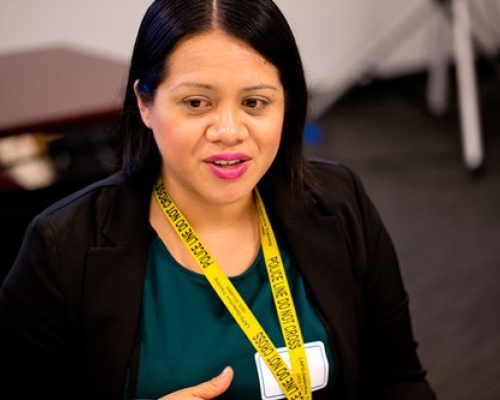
344,40
107,27
330,32
340,39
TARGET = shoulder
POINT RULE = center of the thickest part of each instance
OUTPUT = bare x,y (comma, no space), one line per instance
340,195
109,202
332,171
339,185
98,194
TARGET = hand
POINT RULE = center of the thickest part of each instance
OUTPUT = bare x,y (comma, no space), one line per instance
206,390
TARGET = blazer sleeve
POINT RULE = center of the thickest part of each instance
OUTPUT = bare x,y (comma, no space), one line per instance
34,333
391,366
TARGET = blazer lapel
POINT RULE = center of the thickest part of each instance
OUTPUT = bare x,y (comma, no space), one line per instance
321,253
113,291
319,247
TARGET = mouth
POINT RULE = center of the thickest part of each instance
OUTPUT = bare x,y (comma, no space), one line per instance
227,163
227,159
229,166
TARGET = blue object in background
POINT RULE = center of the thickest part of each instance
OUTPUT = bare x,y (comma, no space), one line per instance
312,133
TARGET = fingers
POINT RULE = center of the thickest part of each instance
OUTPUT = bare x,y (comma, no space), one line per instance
216,386
206,390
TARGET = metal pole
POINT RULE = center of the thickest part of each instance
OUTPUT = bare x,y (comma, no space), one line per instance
468,99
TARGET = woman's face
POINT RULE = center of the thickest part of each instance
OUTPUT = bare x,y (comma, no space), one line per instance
217,119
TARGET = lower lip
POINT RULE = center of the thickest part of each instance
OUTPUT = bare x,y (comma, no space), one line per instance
232,172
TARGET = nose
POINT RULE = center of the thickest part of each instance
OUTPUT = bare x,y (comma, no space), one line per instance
227,126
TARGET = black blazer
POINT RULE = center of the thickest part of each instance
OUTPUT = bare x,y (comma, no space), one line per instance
70,305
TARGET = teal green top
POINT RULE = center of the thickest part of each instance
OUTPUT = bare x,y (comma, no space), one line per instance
188,336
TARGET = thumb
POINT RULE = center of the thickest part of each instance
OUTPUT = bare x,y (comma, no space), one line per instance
214,387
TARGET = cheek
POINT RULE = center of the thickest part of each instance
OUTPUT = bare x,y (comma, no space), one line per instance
167,138
176,141
272,138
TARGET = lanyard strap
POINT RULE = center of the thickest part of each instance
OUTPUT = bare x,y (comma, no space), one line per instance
294,383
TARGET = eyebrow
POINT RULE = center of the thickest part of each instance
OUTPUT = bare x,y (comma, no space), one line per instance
211,87
263,86
195,85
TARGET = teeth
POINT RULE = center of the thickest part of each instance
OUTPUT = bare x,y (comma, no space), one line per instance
223,163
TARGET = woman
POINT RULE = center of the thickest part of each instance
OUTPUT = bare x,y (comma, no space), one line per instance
216,246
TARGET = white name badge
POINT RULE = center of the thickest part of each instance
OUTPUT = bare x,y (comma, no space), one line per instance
318,370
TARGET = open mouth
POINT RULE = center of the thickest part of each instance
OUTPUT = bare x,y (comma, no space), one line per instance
229,167
225,163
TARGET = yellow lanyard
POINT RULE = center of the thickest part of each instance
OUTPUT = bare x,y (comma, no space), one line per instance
294,383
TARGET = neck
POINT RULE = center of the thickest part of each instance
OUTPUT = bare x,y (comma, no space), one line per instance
206,215
220,227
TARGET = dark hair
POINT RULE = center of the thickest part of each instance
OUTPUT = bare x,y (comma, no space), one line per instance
259,23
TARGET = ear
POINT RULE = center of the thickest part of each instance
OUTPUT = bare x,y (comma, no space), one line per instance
143,105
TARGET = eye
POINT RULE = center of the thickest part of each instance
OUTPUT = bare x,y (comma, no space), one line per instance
196,104
255,103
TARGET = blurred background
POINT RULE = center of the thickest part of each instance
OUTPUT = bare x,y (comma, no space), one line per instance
407,93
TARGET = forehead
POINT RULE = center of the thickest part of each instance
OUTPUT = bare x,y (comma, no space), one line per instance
216,54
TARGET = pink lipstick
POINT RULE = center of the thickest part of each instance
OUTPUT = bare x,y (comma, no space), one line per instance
228,165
